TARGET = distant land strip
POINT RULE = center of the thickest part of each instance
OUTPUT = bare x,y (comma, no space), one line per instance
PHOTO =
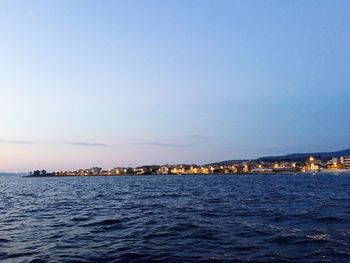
326,162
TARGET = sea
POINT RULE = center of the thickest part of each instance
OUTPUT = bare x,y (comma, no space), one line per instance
189,218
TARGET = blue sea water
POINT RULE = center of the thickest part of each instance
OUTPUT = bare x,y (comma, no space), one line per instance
216,218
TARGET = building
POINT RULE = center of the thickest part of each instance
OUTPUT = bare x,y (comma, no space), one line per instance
163,170
95,170
177,170
346,161
311,165
139,171
118,171
334,164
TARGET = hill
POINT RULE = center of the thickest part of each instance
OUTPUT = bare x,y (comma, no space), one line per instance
304,156
294,157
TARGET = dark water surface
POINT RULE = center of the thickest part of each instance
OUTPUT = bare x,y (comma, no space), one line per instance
222,218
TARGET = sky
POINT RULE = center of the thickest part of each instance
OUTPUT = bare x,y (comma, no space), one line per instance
126,83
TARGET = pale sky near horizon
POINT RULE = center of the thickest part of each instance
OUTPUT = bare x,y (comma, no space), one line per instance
125,83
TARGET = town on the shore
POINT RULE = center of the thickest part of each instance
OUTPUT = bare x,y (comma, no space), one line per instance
310,165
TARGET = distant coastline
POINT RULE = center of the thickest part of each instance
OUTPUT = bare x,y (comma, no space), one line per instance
347,171
326,162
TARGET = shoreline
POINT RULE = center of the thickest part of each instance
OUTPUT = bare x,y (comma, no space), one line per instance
218,174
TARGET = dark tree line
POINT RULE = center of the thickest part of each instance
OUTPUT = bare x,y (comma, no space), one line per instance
38,173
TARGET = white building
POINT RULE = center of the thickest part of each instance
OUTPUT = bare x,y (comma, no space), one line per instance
347,162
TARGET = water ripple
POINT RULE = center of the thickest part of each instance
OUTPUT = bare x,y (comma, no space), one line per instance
255,218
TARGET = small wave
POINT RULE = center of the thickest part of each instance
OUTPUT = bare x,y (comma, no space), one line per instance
329,219
80,219
158,235
283,239
280,218
131,257
38,260
4,240
17,255
253,233
106,222
210,214
183,227
3,255
248,248
320,237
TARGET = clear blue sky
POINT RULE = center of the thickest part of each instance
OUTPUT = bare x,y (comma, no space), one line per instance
116,83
